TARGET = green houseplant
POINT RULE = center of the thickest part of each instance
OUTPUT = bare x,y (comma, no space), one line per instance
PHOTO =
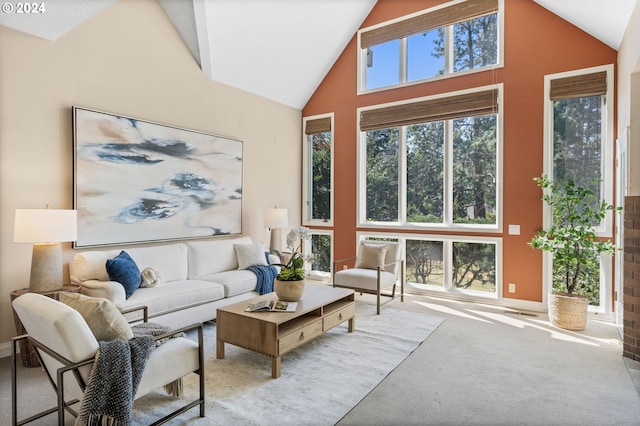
572,240
290,281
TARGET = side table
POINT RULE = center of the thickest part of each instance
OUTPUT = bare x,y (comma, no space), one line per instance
27,352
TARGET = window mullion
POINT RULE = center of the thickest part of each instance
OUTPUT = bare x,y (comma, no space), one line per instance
448,173
448,49
402,68
447,267
402,175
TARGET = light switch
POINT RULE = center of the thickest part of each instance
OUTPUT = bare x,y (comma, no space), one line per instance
514,229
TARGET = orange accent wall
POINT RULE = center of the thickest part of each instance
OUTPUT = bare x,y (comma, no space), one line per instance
537,43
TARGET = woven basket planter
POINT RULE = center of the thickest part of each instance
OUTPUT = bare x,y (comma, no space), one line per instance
568,311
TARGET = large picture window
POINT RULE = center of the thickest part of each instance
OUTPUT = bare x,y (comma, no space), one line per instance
318,170
441,41
579,147
432,162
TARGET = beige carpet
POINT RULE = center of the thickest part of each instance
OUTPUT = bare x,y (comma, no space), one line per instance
320,382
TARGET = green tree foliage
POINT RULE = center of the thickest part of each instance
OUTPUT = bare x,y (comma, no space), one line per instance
382,175
577,141
321,176
425,172
424,261
321,249
474,266
474,43
474,169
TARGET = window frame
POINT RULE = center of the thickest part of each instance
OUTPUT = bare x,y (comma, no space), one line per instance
605,228
307,180
319,275
448,223
448,58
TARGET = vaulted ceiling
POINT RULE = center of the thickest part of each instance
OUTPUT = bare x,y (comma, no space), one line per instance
282,49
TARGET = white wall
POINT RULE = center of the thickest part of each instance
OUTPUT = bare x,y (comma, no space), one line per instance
629,97
128,60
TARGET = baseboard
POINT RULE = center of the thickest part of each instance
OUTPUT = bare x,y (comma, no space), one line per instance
5,349
523,305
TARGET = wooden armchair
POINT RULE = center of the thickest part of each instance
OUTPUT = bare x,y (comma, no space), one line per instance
66,348
378,268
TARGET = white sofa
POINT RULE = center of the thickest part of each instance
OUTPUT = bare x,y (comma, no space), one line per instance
196,277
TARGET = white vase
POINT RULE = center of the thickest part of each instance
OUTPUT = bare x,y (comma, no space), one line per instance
289,291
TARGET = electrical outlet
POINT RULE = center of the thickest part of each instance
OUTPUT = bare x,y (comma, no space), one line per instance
345,267
512,288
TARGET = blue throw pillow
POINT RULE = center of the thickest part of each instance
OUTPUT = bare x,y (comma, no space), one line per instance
124,270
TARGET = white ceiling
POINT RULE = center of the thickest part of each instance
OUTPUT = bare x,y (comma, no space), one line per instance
282,49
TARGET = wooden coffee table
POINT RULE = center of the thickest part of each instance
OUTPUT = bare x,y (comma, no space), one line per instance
276,333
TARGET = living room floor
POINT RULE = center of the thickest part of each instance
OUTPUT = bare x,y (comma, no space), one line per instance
484,365
489,365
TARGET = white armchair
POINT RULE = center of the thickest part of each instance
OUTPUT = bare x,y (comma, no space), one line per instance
66,348
378,268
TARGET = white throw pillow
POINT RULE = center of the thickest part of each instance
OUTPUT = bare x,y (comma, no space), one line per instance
250,255
372,256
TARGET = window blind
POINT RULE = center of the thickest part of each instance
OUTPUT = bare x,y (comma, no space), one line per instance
438,18
318,125
579,86
448,108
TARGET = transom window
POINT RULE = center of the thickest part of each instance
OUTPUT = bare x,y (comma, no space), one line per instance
439,42
432,162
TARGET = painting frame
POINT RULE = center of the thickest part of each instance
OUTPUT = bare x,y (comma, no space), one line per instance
138,181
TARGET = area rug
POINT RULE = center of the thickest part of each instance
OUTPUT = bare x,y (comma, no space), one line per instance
320,381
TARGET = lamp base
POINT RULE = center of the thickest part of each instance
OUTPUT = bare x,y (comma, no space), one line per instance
46,268
276,239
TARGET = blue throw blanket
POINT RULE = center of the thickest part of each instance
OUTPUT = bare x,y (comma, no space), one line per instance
265,274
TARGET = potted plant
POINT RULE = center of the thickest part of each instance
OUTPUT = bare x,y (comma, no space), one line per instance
290,281
572,240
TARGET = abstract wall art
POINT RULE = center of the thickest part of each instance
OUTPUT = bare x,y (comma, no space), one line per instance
137,181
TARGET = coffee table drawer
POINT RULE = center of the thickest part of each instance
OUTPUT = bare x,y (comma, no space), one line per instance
300,336
339,316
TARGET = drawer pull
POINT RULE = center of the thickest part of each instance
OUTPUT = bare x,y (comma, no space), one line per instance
301,336
340,316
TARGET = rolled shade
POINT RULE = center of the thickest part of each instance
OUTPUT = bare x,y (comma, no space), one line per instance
579,86
458,12
448,108
318,125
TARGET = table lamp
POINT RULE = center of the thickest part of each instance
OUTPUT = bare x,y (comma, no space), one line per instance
275,219
46,229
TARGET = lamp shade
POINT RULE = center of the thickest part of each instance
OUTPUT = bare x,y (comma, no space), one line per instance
276,218
45,226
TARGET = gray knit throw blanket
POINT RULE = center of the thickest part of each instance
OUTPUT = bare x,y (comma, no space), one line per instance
114,379
113,382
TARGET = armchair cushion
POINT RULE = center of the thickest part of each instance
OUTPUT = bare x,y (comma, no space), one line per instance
124,270
363,279
371,256
101,315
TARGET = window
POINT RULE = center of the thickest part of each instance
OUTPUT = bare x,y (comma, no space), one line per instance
321,246
442,41
464,265
318,170
431,162
578,147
